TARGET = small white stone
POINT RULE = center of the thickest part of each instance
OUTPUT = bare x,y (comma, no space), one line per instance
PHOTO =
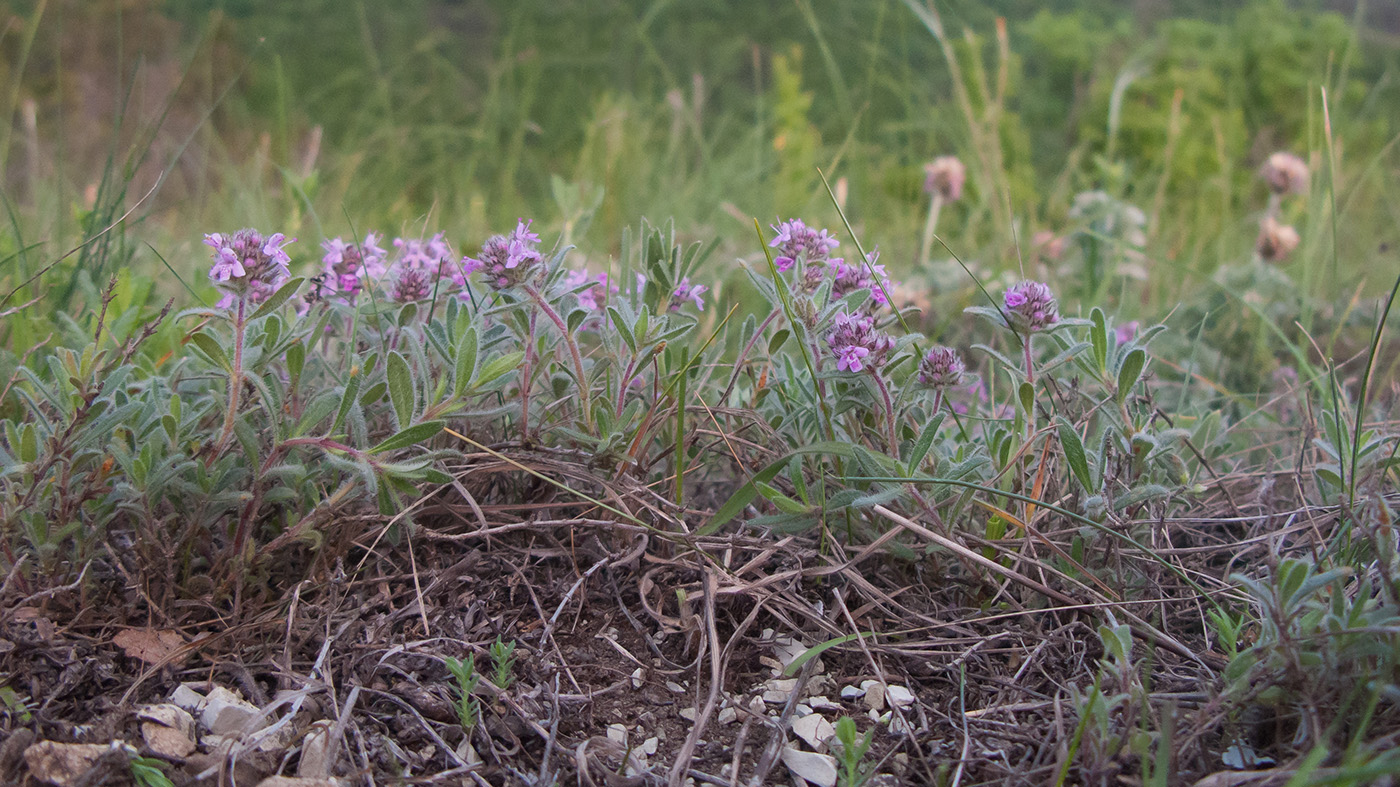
649,746
675,687
617,733
851,693
818,769
637,678
168,730
874,694
801,710
727,716
187,698
226,713
820,702
315,760
899,695
813,729
788,649
688,714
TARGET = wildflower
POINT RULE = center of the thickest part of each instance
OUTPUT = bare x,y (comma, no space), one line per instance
1031,306
847,279
945,176
685,291
1285,173
247,264
796,242
1127,331
508,260
348,265
429,255
857,344
595,296
1276,241
411,284
941,368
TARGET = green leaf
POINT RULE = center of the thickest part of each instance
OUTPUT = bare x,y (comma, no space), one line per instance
316,412
211,348
816,650
278,298
400,388
746,493
465,362
1130,371
620,325
921,447
498,367
1026,393
411,436
1074,453
784,503
296,361
352,389
1099,336
779,339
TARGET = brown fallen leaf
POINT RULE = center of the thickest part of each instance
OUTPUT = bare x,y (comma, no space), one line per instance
148,645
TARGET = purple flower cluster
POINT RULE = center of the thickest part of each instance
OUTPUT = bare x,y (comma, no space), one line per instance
941,368
847,278
507,260
1031,306
857,344
348,266
685,291
248,265
796,242
421,264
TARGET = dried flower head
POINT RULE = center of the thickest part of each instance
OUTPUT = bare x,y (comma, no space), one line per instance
508,260
1285,173
945,177
857,344
1031,306
941,368
797,243
347,266
1276,241
247,264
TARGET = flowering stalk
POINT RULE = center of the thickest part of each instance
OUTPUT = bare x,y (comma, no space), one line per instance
891,435
235,379
583,393
935,207
525,372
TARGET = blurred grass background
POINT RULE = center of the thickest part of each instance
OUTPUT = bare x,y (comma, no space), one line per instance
320,117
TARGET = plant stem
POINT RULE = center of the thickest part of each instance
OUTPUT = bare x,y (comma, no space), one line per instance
583,393
935,206
235,379
1030,365
890,434
525,374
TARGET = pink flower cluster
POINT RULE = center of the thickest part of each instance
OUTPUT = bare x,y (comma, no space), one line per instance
1031,306
347,266
857,344
507,260
247,265
941,368
796,242
847,278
